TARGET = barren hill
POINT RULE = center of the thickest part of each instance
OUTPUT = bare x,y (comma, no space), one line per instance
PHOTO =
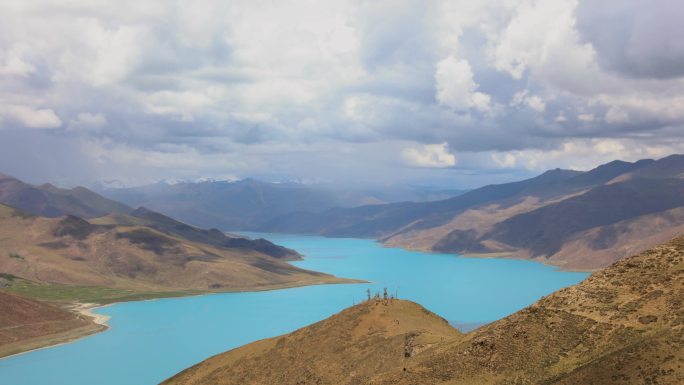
50,201
545,217
622,325
348,348
72,251
27,324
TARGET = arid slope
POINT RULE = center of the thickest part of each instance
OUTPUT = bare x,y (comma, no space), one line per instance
543,218
348,348
622,325
72,251
50,201
26,324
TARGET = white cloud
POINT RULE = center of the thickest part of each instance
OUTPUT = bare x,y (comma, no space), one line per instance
532,101
101,55
586,117
14,64
616,116
429,155
584,154
30,117
88,122
506,160
455,85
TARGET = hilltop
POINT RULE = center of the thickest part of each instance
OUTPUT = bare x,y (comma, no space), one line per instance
348,348
622,325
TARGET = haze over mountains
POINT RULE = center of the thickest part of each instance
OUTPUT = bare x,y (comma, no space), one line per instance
581,220
578,220
50,201
622,325
613,210
248,204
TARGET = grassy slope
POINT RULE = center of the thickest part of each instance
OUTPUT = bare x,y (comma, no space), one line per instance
622,325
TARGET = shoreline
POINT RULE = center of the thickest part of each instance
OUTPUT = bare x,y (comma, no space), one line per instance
86,309
100,321
64,338
493,255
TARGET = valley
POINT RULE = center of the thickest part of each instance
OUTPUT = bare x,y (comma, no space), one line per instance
180,332
342,192
70,248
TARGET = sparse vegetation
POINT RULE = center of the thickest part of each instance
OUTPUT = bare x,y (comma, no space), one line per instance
16,256
26,324
87,294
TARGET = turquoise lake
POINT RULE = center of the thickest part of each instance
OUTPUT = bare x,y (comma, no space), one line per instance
152,340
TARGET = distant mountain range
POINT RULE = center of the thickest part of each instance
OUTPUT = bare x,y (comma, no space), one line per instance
579,220
621,326
249,204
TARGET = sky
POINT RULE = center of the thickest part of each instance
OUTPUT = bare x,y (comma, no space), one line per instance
456,93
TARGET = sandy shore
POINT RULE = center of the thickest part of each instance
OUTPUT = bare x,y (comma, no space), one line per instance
86,309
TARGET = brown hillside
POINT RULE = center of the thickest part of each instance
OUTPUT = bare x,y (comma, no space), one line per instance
348,348
27,324
622,325
50,201
72,251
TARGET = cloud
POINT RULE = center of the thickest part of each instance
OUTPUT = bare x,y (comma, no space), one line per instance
637,38
532,101
616,116
14,63
30,117
244,88
584,154
429,155
456,87
88,122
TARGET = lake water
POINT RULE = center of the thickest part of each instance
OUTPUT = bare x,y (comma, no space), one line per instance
152,340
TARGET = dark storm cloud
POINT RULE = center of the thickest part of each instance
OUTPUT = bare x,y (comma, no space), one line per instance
638,38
